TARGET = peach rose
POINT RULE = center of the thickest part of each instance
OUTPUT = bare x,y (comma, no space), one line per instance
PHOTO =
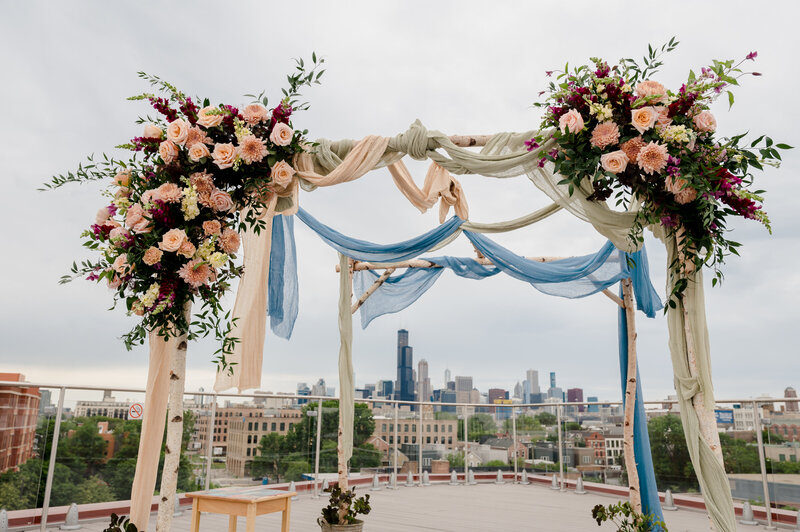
172,240
198,152
651,88
229,241
571,119
281,134
705,122
209,120
221,201
663,119
178,131
255,113
114,282
152,255
224,155
120,264
123,179
118,233
187,249
679,187
614,162
169,193
168,151
152,131
212,227
282,174
644,118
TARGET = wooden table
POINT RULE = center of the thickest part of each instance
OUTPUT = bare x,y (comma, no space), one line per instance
249,502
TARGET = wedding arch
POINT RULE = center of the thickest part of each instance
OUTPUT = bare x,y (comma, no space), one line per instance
607,132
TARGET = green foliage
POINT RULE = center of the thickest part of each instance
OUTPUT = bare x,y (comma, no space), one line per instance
626,518
525,423
343,506
572,425
456,460
480,426
93,489
495,463
120,524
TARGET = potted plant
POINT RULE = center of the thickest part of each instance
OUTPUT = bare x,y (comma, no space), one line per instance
340,514
120,524
626,519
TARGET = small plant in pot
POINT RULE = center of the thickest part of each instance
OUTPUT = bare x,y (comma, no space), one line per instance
340,514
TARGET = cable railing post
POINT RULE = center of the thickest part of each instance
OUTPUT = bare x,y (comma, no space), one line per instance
210,442
52,464
466,446
419,454
316,451
763,465
560,455
396,421
514,436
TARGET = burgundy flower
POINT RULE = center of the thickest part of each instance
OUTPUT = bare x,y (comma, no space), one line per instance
752,56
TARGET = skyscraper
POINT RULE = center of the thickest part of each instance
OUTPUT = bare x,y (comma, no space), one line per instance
554,392
446,377
463,389
575,395
552,379
424,389
404,386
533,378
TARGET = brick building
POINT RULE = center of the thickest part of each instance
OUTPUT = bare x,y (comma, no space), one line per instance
434,431
19,413
245,431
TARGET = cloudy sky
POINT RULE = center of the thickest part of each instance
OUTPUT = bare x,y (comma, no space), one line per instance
460,67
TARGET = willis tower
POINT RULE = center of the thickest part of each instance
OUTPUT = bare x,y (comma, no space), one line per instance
404,386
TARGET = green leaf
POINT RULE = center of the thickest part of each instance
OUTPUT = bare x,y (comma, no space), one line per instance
730,99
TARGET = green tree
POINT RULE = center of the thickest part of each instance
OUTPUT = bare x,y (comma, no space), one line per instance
546,418
93,489
495,463
525,423
456,460
270,459
85,451
739,456
572,425
673,467
480,426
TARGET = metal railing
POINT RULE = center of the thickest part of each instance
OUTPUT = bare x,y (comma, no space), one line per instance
396,404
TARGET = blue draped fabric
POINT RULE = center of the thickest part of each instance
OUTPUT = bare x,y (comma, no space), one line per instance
647,299
367,251
641,439
283,288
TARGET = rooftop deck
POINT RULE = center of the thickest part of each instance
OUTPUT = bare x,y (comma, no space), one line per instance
484,507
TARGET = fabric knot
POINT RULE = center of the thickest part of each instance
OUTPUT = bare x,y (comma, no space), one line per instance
687,387
413,142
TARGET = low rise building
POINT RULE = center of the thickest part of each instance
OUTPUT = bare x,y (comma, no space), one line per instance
19,413
245,431
108,407
434,431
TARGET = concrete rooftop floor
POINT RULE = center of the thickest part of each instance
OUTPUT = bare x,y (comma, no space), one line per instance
441,507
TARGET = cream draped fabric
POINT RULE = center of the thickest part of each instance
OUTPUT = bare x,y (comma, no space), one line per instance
438,184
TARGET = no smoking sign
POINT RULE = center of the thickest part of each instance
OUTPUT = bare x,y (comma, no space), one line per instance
136,410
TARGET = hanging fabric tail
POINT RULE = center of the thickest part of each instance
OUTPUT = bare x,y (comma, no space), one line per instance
283,286
641,440
346,386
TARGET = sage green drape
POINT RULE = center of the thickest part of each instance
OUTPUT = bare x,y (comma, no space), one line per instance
505,155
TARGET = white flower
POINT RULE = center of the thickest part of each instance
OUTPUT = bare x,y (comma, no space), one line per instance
149,298
603,112
217,259
205,250
676,134
626,88
189,204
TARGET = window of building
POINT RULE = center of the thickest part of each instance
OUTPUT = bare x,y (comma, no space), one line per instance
273,427
283,427
391,439
584,459
405,427
249,438
255,438
450,428
391,427
405,439
793,458
782,457
413,439
250,426
436,428
383,427
264,426
248,451
449,440
428,429
429,439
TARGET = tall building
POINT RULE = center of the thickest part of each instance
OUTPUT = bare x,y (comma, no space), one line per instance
19,412
533,378
790,393
424,388
554,392
303,389
518,391
446,377
575,395
385,389
593,408
109,406
552,379
463,389
404,385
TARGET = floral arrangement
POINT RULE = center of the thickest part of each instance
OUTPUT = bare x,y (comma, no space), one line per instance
199,175
625,134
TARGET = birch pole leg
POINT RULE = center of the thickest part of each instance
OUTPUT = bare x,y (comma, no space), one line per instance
630,398
345,312
172,450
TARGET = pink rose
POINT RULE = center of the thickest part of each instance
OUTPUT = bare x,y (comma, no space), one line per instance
614,162
224,155
152,255
644,118
281,135
209,120
255,113
152,131
136,221
221,201
705,122
178,131
187,249
123,179
282,174
118,233
663,119
172,240
102,216
198,151
114,282
168,151
651,88
571,119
